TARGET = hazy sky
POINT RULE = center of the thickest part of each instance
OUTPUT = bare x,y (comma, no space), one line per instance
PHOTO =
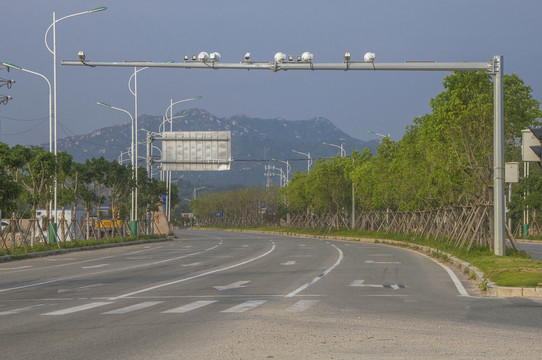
386,102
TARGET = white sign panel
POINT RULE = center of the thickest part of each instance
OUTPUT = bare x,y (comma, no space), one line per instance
511,172
528,140
196,150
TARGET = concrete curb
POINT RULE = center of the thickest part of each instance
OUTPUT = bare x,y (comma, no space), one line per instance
476,274
84,248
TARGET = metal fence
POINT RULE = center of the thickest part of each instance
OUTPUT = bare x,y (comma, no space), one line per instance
30,232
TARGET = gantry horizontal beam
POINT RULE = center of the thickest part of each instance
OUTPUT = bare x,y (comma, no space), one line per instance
273,66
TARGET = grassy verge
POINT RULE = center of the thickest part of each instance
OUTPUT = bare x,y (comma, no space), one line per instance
21,252
516,269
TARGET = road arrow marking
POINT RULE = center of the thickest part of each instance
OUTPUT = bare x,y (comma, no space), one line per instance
361,283
381,262
291,262
235,285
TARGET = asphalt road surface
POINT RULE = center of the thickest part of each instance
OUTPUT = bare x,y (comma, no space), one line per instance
532,248
226,295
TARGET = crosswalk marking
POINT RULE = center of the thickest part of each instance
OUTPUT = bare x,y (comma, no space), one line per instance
131,308
189,307
20,310
247,305
297,307
302,305
78,308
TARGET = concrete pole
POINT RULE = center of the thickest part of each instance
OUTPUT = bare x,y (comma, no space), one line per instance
498,154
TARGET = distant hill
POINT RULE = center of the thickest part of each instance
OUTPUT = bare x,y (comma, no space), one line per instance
254,141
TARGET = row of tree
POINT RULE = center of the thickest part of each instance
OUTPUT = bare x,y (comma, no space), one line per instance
27,181
444,158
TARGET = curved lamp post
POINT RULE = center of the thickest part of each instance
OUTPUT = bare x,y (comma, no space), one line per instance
343,152
53,51
134,196
170,120
13,66
309,160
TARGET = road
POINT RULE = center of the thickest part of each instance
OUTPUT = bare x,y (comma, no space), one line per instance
532,248
233,295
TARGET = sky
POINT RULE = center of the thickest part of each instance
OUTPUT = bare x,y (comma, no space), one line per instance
161,30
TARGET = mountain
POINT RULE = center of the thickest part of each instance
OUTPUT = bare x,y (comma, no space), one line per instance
255,142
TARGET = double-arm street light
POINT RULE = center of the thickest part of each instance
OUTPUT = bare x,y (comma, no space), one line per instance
53,51
170,120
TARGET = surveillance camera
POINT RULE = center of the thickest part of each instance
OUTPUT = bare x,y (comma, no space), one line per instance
203,56
307,57
247,57
369,57
280,57
81,55
215,56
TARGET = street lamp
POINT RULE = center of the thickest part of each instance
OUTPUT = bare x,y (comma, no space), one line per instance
170,109
134,198
13,66
288,169
53,51
194,193
343,152
309,160
378,134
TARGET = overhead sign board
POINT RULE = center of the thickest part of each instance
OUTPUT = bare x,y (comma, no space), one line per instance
196,150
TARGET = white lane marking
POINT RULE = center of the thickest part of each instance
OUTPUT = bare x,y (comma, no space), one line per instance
59,259
107,271
79,308
287,263
381,262
94,266
17,268
247,305
235,285
82,288
192,264
454,277
361,283
302,305
303,287
131,308
189,307
20,310
195,276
